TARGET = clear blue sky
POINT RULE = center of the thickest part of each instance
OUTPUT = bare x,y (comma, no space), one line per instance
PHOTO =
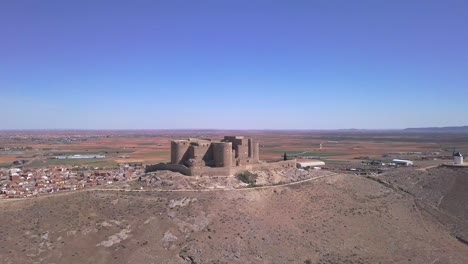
235,64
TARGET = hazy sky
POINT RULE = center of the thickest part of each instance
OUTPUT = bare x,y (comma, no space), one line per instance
233,64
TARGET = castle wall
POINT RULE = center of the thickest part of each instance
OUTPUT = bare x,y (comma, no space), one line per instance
209,158
236,142
210,171
220,171
201,153
242,152
171,167
204,157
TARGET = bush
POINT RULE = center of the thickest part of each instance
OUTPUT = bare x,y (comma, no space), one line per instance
248,177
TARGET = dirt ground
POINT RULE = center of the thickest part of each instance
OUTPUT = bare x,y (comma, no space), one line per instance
441,191
335,219
385,215
167,180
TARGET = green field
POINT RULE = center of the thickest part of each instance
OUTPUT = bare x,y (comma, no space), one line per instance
301,153
154,154
93,151
337,162
6,165
71,162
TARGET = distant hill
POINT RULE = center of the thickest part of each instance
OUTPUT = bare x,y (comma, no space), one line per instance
438,129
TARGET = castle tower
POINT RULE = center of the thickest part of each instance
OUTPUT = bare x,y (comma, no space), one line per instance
256,152
222,152
457,158
179,149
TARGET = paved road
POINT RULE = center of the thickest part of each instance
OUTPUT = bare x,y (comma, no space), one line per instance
428,167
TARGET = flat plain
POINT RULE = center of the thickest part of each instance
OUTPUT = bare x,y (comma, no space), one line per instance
345,213
149,147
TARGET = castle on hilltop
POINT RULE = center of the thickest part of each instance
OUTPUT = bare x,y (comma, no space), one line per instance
233,154
231,151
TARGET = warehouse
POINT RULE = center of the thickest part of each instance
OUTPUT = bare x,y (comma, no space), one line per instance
403,162
309,163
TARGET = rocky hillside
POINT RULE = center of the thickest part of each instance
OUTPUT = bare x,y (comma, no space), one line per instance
442,191
335,219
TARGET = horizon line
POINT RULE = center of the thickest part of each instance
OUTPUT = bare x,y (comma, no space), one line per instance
227,129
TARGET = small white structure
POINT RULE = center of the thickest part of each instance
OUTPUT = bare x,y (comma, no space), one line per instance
309,163
81,156
402,162
457,158
15,171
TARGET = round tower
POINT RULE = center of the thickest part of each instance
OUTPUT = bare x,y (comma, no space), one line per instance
222,152
178,150
457,158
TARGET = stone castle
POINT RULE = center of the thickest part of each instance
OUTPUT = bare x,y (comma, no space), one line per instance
232,151
233,154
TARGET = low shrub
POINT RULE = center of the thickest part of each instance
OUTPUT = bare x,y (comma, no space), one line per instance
248,177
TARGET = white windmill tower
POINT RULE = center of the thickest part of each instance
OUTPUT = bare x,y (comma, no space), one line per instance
457,158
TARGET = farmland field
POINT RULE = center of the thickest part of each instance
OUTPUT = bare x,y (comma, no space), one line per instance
150,147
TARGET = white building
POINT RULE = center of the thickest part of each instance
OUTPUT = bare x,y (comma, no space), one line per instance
457,158
309,163
14,171
403,162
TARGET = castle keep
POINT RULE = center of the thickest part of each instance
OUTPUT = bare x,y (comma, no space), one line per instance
232,151
233,154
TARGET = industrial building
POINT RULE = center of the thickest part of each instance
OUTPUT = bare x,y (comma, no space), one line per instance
402,162
309,163
81,156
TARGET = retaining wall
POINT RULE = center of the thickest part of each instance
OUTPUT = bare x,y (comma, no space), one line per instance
220,171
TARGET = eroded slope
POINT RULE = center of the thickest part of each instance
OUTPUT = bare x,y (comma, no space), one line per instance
337,219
